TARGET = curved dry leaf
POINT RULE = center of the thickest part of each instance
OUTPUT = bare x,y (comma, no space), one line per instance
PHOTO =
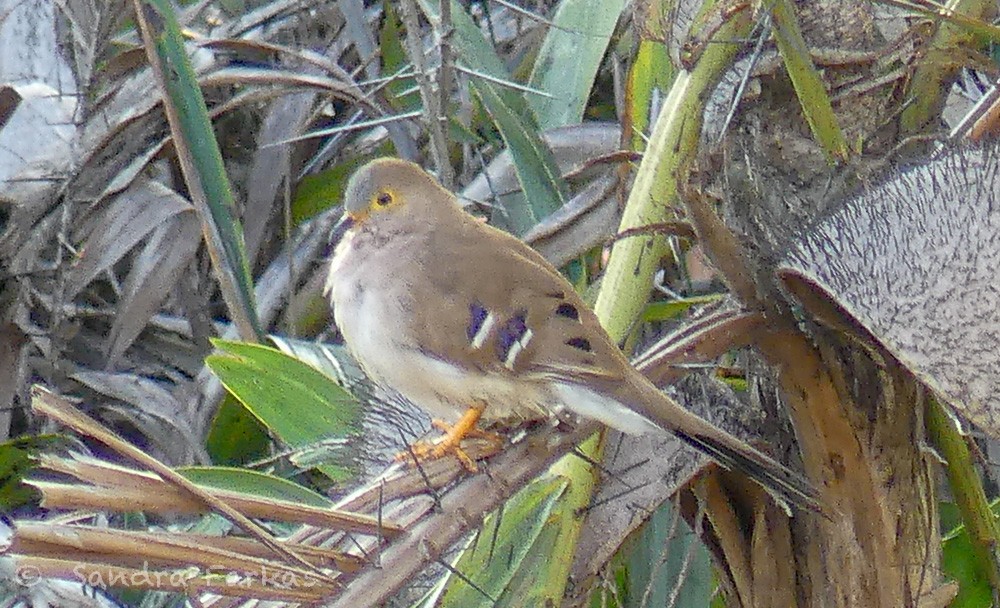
113,140
121,224
584,222
145,395
26,247
27,197
154,272
174,442
269,18
572,147
280,77
255,49
128,130
914,261
36,139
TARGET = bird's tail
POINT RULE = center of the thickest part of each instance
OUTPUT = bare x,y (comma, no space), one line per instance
761,468
729,451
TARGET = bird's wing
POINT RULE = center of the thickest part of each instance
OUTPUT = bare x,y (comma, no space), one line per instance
503,309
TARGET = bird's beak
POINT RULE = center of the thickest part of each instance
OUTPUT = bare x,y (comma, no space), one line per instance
345,223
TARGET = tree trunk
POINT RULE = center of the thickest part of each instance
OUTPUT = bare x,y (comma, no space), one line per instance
857,414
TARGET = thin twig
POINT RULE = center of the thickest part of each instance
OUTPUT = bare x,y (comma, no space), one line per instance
445,172
510,84
468,581
530,15
683,230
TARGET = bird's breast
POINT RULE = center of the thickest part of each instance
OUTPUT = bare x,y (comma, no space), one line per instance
372,302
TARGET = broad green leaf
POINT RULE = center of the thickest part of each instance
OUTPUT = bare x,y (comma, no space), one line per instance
503,555
254,482
568,60
959,562
539,177
237,436
298,404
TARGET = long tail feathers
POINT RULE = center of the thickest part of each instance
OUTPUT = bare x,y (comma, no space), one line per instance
765,470
637,406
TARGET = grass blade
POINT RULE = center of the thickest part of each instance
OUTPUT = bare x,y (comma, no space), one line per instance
200,160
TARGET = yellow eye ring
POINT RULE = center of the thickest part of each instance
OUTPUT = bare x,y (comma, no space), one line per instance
383,199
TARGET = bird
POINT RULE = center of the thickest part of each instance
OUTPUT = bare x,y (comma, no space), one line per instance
472,325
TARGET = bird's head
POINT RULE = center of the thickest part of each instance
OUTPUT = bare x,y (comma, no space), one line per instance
391,193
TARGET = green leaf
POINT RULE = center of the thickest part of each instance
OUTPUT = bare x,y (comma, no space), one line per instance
320,191
539,179
504,556
665,310
297,403
236,437
808,84
17,460
568,60
403,95
959,562
195,139
657,560
254,482
975,562
648,80
663,558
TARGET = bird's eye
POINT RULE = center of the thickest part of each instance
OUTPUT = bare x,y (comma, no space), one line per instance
383,199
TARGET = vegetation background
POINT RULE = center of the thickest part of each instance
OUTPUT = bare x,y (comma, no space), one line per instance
631,143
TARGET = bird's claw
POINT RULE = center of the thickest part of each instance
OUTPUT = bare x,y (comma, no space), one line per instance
423,451
451,444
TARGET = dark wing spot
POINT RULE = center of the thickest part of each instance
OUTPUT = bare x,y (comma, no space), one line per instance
568,310
580,343
511,332
477,316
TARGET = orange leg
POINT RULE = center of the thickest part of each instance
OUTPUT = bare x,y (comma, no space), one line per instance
474,432
452,441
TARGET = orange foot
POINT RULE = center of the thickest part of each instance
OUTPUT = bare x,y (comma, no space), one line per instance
451,443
